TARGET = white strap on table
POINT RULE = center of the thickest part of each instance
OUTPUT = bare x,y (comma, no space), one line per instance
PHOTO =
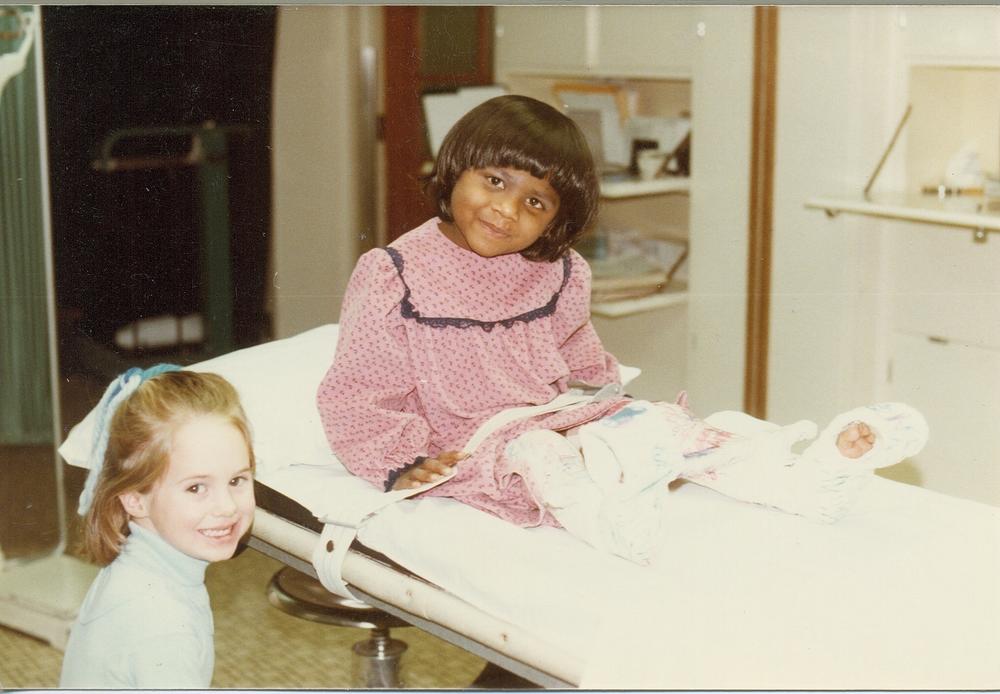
338,534
339,531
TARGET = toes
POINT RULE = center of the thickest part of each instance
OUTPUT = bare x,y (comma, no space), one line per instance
856,439
847,437
865,437
865,432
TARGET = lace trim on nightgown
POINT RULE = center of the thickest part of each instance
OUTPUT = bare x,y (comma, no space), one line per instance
409,312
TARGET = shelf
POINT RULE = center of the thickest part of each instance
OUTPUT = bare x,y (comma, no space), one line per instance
628,307
967,212
667,74
631,188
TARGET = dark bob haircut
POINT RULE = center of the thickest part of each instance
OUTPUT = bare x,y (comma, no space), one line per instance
519,132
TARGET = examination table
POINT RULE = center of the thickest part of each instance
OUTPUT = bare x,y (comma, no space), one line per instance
904,593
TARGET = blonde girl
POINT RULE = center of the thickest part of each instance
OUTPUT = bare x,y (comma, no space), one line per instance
170,490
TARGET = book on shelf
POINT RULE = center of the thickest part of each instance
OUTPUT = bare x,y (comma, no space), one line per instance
619,287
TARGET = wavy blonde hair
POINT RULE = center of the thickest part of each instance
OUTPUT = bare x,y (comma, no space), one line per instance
140,440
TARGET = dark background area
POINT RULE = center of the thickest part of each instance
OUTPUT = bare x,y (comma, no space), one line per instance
126,243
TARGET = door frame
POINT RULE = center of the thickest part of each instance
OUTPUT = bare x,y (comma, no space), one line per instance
403,129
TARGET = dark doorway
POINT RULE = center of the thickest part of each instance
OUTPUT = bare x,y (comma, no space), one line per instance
127,243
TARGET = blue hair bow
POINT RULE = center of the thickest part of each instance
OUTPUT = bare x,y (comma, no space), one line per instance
117,392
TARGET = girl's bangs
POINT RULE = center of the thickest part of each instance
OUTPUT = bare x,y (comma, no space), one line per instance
543,161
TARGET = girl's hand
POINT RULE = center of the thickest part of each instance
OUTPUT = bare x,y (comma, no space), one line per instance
431,470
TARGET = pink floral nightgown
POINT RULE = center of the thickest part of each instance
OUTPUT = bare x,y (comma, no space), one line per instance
435,339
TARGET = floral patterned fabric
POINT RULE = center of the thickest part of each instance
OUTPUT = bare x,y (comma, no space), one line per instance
435,339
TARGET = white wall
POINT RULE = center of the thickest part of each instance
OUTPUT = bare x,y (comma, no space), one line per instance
722,77
320,214
835,115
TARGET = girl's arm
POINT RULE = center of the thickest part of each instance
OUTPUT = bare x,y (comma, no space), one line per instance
581,348
366,401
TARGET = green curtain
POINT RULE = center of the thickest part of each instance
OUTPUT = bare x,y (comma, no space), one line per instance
26,414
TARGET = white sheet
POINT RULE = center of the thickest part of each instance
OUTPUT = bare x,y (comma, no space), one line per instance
904,593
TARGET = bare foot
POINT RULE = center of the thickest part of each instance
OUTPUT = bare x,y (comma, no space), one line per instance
856,440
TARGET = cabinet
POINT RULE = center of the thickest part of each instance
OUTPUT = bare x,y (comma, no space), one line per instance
694,58
528,43
648,332
955,385
624,41
938,292
655,340
645,40
944,356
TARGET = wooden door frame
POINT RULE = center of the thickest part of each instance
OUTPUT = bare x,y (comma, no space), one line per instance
760,248
401,74
403,83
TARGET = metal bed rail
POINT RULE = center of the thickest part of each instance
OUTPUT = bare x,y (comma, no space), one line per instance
423,605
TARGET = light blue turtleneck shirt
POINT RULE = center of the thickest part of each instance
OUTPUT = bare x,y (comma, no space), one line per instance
146,622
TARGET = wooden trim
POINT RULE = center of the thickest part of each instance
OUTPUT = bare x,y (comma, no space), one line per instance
484,65
761,210
403,128
403,118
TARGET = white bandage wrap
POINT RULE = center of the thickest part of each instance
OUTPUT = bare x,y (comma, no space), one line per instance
557,477
821,483
630,450
900,432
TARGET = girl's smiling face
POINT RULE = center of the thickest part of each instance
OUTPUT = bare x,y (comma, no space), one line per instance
499,210
204,502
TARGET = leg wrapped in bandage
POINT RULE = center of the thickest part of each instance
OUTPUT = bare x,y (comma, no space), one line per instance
608,519
822,483
763,469
631,450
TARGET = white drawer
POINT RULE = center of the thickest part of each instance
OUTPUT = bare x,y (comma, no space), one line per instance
957,387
